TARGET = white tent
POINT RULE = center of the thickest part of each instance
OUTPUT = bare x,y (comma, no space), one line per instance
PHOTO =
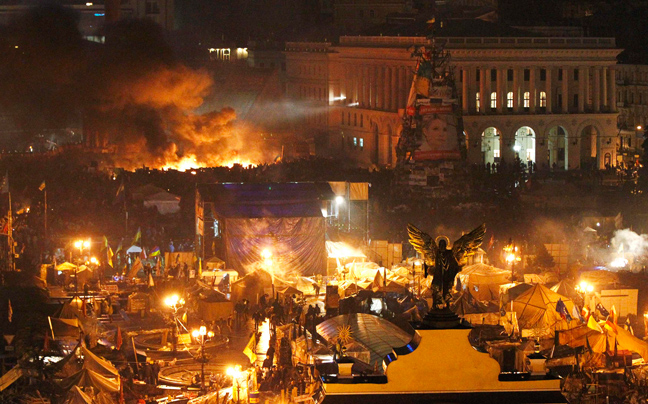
165,202
134,249
483,280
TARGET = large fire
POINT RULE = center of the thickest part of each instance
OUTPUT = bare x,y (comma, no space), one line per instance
192,163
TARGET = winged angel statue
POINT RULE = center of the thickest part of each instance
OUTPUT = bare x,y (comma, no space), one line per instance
446,263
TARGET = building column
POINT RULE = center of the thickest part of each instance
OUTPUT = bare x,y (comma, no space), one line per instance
586,86
483,100
565,90
604,88
581,89
596,91
516,90
549,91
464,89
393,102
532,90
612,88
501,91
381,82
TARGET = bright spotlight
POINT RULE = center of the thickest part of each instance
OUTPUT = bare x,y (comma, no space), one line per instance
339,199
517,147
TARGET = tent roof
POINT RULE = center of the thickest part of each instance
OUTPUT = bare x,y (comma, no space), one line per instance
66,266
379,336
77,396
146,190
581,336
295,199
484,274
536,308
97,364
467,304
89,378
565,288
290,290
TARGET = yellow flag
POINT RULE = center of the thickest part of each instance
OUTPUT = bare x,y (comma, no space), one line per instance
250,349
591,323
110,256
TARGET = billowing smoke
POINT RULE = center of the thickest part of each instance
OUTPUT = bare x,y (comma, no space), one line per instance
134,96
628,247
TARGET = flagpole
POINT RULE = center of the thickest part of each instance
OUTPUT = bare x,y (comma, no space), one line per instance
45,213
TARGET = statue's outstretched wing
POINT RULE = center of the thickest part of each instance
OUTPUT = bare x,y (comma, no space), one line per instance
422,243
468,243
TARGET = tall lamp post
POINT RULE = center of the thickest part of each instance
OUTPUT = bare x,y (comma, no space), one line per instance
200,335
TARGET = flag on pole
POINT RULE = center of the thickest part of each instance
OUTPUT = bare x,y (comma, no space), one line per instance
138,236
120,197
585,313
143,254
602,310
562,310
611,326
105,240
9,311
151,282
119,247
250,348
110,255
42,186
614,316
591,323
576,314
155,252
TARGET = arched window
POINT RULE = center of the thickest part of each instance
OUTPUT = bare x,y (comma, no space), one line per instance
543,99
477,103
493,100
509,100
527,99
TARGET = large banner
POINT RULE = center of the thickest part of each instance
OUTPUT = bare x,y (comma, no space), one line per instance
439,140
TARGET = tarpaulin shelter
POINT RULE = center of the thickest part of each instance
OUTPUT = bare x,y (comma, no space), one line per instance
89,378
64,327
601,341
483,280
66,266
474,311
77,396
253,285
289,291
166,203
134,249
97,364
536,309
514,292
237,222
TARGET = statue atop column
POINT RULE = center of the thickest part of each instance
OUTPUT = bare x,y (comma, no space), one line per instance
444,263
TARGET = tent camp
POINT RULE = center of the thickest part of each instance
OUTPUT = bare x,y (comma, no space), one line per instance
253,285
483,280
536,309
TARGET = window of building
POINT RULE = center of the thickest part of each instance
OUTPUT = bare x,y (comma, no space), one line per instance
461,74
355,142
509,75
355,119
527,74
575,100
509,100
493,103
216,229
342,118
543,99
543,74
527,99
372,13
477,77
361,120
575,74
361,12
559,99
477,103
361,144
560,73
348,118
493,74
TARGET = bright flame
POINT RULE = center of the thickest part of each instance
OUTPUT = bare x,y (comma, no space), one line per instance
619,262
510,258
187,163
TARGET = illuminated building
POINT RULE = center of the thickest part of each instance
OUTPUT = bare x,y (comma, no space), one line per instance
632,101
548,100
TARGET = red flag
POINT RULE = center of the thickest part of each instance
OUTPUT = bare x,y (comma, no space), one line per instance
143,254
614,316
118,342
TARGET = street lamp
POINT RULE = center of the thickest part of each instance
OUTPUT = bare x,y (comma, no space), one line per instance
200,335
584,288
80,244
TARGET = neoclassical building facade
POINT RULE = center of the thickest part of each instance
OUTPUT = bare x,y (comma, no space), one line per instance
547,100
